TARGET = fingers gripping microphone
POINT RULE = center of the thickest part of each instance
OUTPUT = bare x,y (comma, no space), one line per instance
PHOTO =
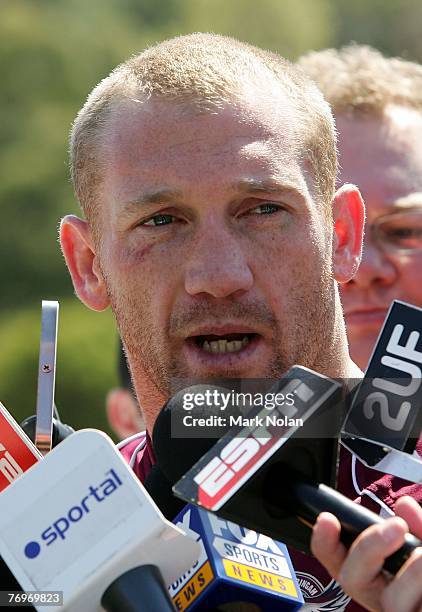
81,523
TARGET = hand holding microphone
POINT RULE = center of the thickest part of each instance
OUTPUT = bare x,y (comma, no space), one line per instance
382,428
358,570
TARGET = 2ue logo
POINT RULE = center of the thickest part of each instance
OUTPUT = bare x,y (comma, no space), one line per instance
17,453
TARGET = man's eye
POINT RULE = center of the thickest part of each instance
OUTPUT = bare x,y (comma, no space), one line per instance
159,220
265,209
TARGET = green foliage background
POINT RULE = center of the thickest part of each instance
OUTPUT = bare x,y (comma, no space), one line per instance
52,53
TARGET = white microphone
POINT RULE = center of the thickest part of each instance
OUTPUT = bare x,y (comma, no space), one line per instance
80,519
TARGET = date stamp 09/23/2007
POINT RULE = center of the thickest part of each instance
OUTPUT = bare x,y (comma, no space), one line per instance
24,598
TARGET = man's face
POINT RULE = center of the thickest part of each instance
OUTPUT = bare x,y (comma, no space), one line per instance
384,158
216,258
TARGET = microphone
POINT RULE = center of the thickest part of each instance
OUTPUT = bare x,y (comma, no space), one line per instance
17,454
273,479
237,569
236,566
80,524
160,489
45,430
60,430
385,419
315,450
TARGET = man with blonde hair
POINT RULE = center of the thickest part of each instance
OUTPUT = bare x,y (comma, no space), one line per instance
205,168
196,184
377,104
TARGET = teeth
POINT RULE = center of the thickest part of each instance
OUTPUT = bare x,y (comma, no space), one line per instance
214,346
236,345
225,346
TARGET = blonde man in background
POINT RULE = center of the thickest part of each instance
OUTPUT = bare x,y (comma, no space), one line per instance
377,104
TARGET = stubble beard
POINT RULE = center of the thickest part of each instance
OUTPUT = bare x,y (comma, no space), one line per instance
308,344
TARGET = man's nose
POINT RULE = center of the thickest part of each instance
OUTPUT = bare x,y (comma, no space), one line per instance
376,268
217,264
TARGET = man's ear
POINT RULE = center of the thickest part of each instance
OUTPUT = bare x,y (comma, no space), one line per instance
79,253
349,222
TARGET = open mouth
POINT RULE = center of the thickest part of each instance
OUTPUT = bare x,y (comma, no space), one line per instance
227,343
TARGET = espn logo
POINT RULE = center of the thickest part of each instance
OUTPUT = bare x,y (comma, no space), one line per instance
224,471
17,453
218,477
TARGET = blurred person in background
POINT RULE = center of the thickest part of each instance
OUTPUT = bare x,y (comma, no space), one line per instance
123,412
377,104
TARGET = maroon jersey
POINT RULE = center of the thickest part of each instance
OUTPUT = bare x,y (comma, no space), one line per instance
372,489
137,452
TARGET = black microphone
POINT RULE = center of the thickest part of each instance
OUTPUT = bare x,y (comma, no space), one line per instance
385,419
60,430
160,489
168,440
238,569
276,480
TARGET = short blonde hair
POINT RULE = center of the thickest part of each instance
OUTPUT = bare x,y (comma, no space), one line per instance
358,79
206,70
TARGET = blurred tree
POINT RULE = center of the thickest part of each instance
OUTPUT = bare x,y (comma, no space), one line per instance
287,27
52,53
390,26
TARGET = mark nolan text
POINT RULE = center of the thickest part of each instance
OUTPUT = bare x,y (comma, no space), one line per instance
268,420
